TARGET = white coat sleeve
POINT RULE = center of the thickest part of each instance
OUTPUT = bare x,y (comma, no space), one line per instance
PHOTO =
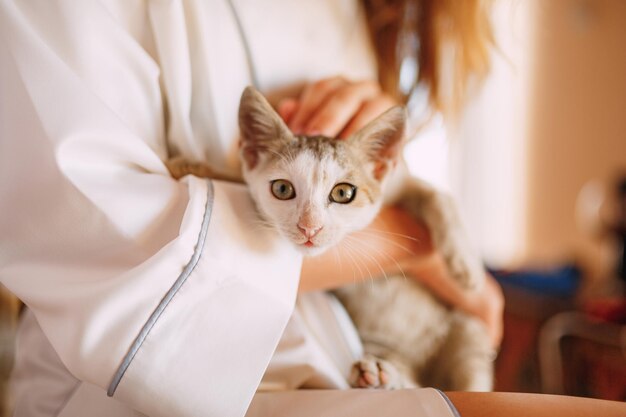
161,292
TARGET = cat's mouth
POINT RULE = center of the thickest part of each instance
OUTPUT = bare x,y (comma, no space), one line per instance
305,242
309,244
310,247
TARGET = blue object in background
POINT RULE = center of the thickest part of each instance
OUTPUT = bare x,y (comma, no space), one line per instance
559,282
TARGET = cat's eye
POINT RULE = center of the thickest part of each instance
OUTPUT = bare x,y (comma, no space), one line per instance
282,189
343,193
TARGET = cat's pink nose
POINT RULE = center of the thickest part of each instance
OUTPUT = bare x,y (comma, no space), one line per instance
309,231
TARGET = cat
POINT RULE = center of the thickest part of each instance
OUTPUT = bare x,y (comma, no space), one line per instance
315,191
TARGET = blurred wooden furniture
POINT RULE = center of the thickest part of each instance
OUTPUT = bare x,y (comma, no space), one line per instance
592,364
517,368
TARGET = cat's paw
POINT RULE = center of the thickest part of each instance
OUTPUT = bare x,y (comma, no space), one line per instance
371,372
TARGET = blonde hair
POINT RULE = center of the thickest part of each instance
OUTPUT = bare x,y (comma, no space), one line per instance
442,45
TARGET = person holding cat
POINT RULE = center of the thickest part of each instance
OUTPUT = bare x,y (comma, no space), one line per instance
151,296
347,107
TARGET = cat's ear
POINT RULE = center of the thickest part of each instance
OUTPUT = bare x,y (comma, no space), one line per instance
381,140
260,126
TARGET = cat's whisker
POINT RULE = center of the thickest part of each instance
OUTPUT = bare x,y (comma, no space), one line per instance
383,253
261,222
338,258
391,241
409,237
352,249
360,251
347,252
260,225
359,262
361,242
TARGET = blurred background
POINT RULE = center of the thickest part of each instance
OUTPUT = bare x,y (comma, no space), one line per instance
538,165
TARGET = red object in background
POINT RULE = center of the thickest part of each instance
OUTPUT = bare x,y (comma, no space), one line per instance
611,309
606,367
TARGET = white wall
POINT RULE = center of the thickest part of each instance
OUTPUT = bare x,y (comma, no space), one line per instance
489,154
578,124
550,118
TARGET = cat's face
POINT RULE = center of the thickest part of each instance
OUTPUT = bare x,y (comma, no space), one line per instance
314,194
315,190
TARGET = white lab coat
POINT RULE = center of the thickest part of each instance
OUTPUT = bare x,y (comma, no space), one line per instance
163,293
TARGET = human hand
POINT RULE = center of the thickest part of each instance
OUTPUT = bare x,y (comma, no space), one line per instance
334,107
485,303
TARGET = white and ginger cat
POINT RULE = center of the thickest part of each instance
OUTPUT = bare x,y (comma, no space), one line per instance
315,191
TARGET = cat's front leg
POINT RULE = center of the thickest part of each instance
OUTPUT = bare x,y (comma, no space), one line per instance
439,212
180,166
373,372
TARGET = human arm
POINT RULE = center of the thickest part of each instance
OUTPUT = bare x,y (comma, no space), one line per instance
150,288
485,302
513,404
380,249
395,242
428,402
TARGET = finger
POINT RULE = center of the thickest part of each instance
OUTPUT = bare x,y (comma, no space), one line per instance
337,111
496,297
370,110
495,334
287,108
312,97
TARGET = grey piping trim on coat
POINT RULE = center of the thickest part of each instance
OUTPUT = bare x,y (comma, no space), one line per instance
156,314
452,407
